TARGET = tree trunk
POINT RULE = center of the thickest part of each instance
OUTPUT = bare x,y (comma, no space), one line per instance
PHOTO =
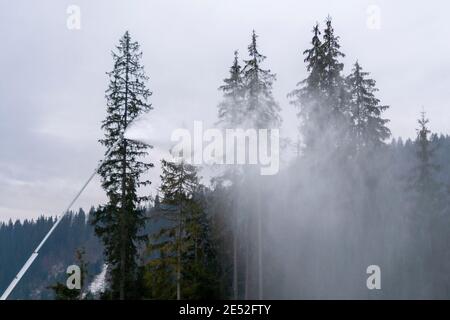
122,230
179,260
235,240
179,237
123,200
247,268
260,258
235,266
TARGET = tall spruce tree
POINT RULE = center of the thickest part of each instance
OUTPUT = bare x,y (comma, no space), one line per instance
183,245
427,222
231,111
119,222
231,114
332,66
322,97
368,127
261,111
424,154
423,180
178,184
306,96
335,95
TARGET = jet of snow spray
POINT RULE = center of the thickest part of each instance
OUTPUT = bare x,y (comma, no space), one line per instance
158,130
35,253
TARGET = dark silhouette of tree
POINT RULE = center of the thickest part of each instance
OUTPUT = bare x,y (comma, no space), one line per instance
119,222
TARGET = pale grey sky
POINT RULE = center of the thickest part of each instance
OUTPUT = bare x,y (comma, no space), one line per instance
53,78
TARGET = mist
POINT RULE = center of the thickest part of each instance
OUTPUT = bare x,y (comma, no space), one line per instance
326,201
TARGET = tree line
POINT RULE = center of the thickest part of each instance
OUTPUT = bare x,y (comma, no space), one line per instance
18,240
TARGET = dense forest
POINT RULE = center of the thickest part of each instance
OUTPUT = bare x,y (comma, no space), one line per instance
351,197
19,239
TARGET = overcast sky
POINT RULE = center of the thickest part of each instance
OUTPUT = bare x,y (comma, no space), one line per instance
53,79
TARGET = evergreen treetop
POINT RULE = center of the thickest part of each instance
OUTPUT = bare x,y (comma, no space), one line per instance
231,109
368,127
262,111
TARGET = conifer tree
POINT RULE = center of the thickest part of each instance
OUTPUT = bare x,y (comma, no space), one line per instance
423,181
119,222
261,111
427,203
322,97
232,110
332,66
335,95
178,183
62,292
183,246
232,114
368,127
307,96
